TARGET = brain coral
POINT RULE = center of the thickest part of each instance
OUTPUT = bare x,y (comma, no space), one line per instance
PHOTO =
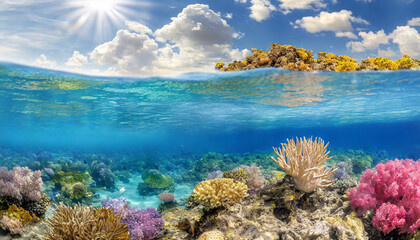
212,235
220,192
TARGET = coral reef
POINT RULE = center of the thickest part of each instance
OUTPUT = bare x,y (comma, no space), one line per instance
303,160
279,211
81,223
166,197
102,174
290,57
20,183
155,182
212,235
220,192
393,193
11,224
142,224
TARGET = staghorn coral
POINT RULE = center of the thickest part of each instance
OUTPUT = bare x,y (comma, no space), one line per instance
142,224
303,160
81,223
21,184
220,192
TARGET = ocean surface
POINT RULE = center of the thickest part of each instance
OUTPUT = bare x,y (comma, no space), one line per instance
243,111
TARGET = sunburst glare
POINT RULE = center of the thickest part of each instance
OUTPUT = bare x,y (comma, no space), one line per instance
98,18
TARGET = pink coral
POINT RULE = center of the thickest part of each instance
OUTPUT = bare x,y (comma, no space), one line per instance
11,224
20,183
393,192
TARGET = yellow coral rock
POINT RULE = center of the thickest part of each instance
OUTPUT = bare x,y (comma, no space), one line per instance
219,65
212,235
220,192
405,62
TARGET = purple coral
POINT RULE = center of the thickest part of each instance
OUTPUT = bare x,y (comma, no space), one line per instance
256,180
393,192
143,224
20,183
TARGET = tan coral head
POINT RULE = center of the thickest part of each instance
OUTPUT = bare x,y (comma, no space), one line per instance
304,161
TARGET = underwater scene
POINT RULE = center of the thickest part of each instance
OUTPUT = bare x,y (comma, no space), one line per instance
267,153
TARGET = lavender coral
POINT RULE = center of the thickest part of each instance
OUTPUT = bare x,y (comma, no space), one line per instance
143,224
20,183
393,192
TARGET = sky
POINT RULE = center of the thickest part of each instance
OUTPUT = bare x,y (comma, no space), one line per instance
160,37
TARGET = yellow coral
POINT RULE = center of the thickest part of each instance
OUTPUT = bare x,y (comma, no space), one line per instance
219,65
405,62
212,235
81,222
220,192
383,63
346,66
24,216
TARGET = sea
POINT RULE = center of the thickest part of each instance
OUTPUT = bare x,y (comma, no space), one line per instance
168,123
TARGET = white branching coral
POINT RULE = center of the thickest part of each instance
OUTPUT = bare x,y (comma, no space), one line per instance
304,161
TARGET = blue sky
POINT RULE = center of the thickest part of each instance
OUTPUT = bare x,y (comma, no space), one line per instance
139,37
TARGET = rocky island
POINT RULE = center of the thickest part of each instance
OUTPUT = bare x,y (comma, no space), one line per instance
290,57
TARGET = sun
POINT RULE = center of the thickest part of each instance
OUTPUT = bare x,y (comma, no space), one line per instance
97,19
100,6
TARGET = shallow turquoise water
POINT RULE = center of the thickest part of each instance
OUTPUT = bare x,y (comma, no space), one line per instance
232,112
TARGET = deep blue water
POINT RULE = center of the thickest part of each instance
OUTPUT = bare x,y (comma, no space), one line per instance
228,112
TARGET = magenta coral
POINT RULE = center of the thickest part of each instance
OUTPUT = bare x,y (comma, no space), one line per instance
20,183
143,224
393,192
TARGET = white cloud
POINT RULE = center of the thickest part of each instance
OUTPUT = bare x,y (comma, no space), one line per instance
386,53
127,53
76,60
414,22
261,9
325,21
138,27
194,40
369,41
229,15
288,5
408,40
238,35
213,30
346,34
241,1
42,61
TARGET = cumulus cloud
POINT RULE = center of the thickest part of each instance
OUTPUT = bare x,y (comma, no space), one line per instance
194,40
137,27
370,40
408,40
325,21
346,34
261,9
128,52
288,5
386,53
76,60
42,61
229,15
414,22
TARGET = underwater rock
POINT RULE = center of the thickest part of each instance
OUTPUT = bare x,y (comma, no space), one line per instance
181,223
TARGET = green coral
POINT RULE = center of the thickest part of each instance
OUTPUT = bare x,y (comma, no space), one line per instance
155,179
73,185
